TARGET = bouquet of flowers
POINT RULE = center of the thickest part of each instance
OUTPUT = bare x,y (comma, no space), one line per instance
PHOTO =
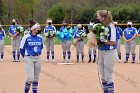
100,33
50,33
20,29
81,35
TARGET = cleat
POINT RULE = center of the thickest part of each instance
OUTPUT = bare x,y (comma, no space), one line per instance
53,61
68,61
77,60
1,60
94,61
47,60
125,61
89,61
17,60
119,61
14,60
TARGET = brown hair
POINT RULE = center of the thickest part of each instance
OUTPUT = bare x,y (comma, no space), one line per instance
107,15
32,22
16,20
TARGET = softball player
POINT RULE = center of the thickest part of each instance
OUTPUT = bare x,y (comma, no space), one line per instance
90,51
107,53
66,43
2,35
16,39
130,43
139,44
27,31
30,49
49,40
80,43
119,35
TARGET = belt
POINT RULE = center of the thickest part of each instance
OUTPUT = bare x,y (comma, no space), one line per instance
33,55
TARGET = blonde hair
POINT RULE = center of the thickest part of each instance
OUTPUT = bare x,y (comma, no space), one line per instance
107,15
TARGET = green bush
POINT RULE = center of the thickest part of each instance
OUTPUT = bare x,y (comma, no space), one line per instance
56,13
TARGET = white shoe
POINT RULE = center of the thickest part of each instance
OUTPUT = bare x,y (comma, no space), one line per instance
47,60
14,60
68,61
119,60
17,60
1,60
52,60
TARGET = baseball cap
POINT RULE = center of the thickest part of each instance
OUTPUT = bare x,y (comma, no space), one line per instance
129,23
115,23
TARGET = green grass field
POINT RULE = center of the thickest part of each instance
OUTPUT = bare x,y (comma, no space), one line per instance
7,40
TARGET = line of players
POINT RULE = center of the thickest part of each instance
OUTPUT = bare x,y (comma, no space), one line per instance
129,35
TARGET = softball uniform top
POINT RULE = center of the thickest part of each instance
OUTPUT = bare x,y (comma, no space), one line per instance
119,32
2,34
129,32
31,45
76,35
12,29
139,31
49,28
112,37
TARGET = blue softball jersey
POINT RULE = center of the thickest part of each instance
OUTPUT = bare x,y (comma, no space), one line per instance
129,32
31,45
76,35
49,28
119,32
112,37
139,31
2,34
12,29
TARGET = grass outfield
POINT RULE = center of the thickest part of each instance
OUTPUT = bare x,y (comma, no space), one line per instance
7,40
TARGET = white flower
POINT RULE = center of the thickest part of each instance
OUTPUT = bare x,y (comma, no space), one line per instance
102,27
20,29
106,31
94,25
101,34
82,34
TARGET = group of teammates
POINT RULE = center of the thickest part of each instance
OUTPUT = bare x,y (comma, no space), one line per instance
32,44
129,34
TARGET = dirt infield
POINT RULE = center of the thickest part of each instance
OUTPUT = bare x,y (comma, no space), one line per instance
77,78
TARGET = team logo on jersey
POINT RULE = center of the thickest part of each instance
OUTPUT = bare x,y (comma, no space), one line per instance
34,43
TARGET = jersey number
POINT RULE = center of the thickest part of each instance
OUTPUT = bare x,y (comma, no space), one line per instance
128,33
35,48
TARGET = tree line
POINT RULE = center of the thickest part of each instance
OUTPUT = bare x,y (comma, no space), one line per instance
73,10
